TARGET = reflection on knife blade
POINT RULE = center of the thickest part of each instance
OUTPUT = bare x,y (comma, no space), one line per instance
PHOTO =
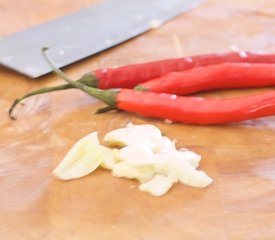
86,32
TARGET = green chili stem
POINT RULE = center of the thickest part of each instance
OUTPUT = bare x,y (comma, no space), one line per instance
86,83
141,88
107,96
105,109
36,92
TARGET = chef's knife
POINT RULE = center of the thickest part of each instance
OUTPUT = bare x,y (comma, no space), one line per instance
86,32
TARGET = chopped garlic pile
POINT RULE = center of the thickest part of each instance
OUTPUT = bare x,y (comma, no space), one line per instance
143,154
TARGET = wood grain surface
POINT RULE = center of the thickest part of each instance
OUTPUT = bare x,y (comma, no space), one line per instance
240,204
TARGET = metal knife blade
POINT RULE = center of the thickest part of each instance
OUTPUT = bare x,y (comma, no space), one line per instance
87,32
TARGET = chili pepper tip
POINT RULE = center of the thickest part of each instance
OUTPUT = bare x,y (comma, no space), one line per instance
16,101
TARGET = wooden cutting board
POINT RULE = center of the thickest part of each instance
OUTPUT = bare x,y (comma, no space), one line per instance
240,204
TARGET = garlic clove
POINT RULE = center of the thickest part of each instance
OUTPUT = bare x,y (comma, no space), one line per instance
83,158
164,144
189,156
133,135
158,185
109,159
188,175
137,155
181,166
128,170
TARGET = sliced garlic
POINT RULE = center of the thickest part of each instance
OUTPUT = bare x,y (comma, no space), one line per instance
137,155
128,170
158,185
164,166
164,144
181,166
144,155
188,175
83,158
109,160
134,135
116,154
189,156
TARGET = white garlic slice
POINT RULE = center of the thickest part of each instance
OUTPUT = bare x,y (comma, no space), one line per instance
188,175
137,155
134,135
158,185
128,170
109,160
83,158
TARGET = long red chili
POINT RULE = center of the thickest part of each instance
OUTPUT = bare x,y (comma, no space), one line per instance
192,110
131,75
221,76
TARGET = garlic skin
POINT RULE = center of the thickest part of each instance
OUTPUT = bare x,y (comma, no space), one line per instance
83,158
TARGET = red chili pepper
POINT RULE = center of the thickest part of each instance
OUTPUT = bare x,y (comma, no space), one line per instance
221,76
132,75
192,110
